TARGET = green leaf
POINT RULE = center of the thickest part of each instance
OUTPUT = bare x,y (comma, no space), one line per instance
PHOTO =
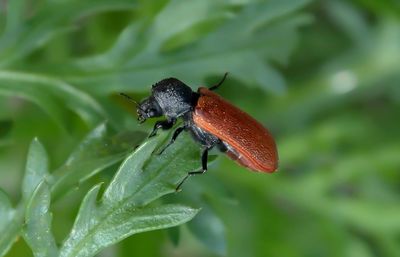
87,212
47,92
23,36
9,224
124,185
40,98
100,149
123,209
15,13
36,169
256,34
6,210
350,20
35,172
126,223
37,230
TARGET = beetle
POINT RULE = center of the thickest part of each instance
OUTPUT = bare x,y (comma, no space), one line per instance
212,122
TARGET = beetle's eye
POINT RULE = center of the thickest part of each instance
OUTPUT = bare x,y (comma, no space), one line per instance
152,112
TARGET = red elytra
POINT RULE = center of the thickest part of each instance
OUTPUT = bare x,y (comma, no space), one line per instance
249,143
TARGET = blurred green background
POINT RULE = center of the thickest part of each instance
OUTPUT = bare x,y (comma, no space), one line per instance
321,75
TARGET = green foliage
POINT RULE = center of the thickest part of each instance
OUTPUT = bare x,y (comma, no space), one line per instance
37,199
37,231
8,227
123,209
36,169
322,75
46,92
100,149
240,40
23,35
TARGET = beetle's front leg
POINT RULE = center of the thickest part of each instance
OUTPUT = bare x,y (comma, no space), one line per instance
162,124
172,140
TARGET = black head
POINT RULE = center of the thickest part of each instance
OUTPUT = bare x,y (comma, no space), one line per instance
169,97
148,108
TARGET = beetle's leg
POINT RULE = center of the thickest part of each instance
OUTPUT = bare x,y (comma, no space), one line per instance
174,136
162,124
204,158
219,83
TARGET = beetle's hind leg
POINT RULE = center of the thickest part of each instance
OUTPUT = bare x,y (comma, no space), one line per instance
219,83
204,159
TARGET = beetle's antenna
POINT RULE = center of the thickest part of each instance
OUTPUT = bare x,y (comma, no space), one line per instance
219,83
130,99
